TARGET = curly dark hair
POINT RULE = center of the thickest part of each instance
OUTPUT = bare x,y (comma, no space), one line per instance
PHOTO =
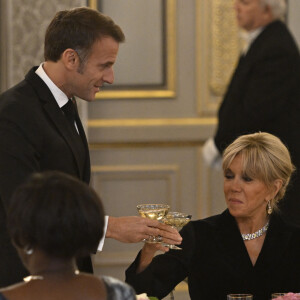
56,213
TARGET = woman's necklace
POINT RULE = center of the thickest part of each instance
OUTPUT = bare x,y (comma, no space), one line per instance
41,277
256,234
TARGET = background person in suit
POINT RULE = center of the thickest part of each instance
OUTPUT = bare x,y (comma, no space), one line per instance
264,92
37,132
54,218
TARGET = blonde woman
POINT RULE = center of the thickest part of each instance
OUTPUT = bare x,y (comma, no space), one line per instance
246,249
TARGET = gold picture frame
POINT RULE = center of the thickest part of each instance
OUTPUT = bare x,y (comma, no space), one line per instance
167,90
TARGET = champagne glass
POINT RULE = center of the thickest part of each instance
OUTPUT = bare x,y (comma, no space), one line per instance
239,297
176,220
276,295
153,212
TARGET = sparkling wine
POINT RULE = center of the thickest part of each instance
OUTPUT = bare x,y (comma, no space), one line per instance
176,219
153,211
154,214
176,222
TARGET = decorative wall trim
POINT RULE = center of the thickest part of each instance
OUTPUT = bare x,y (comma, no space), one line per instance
23,39
145,145
169,173
204,187
224,44
3,54
5,35
217,48
161,131
167,91
151,122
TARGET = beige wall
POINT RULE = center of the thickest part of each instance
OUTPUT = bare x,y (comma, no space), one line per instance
293,18
145,142
148,149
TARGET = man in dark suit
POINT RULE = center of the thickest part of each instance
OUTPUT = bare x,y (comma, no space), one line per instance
40,128
264,92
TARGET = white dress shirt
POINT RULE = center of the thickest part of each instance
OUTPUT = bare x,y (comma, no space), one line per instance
248,38
211,155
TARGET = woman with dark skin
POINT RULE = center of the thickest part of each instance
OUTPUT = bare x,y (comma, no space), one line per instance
53,219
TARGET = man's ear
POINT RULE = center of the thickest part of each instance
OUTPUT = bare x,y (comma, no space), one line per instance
70,59
268,14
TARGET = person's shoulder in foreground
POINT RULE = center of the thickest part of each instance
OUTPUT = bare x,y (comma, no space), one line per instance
118,290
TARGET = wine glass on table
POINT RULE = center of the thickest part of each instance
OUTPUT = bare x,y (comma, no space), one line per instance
276,295
176,220
153,212
239,297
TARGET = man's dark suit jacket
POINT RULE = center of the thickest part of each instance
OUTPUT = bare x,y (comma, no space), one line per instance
216,262
264,95
34,136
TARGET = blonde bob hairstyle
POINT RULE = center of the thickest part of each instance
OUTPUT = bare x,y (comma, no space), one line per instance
264,158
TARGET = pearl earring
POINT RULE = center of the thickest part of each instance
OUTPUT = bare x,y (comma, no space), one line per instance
28,250
269,208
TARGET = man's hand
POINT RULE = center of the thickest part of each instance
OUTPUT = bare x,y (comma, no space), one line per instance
135,229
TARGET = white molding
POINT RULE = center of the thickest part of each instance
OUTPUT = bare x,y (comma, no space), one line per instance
168,173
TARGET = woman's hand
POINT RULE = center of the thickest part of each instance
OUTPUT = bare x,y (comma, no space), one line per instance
147,254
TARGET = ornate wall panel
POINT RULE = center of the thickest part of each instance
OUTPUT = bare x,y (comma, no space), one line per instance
293,18
3,54
217,51
26,22
146,61
224,44
23,26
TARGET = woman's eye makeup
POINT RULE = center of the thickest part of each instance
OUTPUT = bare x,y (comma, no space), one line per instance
247,178
228,174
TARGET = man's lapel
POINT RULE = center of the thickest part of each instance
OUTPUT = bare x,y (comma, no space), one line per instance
87,165
55,114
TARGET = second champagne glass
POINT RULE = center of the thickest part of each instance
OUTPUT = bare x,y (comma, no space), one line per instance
176,220
276,295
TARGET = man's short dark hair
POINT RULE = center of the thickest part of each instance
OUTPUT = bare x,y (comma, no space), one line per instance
78,29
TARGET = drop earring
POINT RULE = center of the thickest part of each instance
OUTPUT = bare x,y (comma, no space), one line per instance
28,250
269,208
